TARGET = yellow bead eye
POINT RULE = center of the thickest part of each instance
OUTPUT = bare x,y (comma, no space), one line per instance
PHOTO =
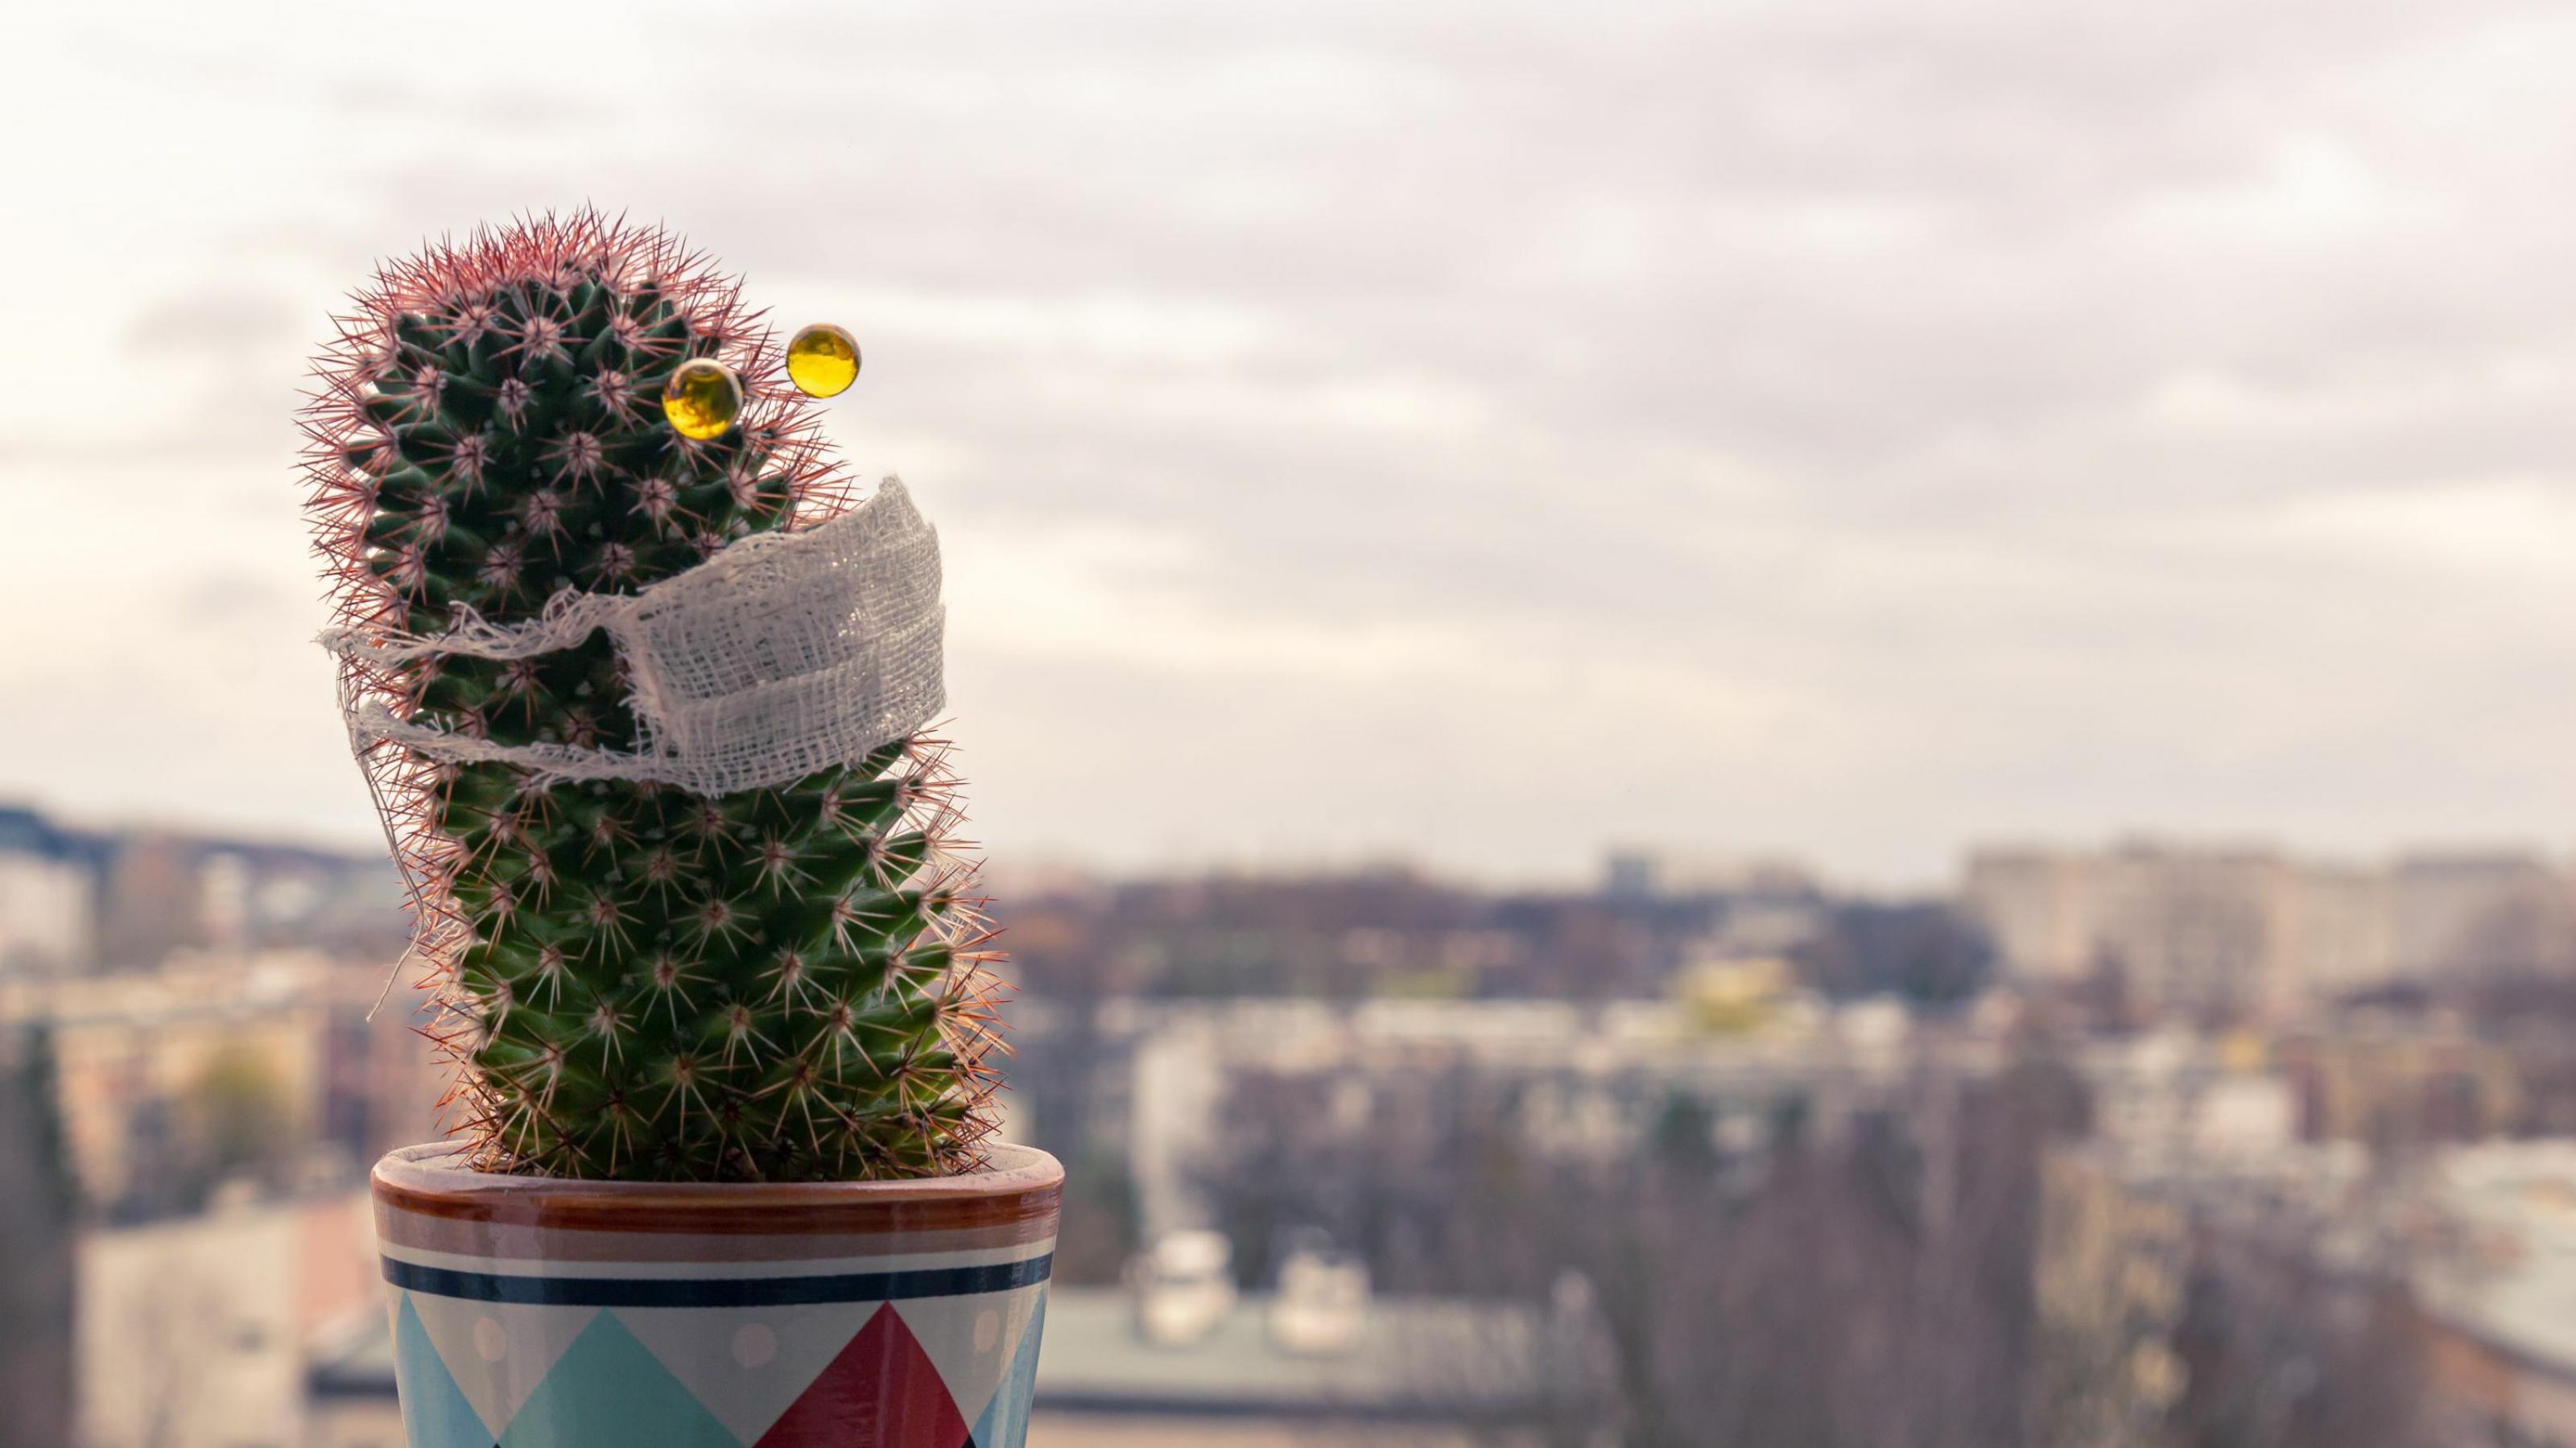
823,360
702,398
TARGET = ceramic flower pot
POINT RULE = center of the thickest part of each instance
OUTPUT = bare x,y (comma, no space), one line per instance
530,1311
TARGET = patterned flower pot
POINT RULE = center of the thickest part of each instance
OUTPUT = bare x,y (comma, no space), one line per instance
530,1311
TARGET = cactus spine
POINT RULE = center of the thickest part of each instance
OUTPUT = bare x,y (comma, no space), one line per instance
637,983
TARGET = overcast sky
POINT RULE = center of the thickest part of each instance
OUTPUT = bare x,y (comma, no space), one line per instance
1480,433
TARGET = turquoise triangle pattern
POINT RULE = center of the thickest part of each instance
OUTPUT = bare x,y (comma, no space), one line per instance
1005,1423
434,1411
609,1391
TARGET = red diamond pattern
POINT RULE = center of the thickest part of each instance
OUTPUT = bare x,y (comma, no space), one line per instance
882,1390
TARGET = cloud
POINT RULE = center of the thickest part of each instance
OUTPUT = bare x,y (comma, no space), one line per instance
1491,430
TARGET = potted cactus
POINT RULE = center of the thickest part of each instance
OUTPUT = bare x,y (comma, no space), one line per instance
639,682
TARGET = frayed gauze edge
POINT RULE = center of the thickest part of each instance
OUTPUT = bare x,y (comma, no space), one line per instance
780,655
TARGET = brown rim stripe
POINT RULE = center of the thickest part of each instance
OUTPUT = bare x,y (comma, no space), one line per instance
683,1217
400,1228
1019,1190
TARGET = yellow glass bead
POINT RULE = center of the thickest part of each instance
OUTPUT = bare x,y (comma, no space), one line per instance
702,398
823,360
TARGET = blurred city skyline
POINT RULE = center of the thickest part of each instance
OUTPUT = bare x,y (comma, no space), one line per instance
1468,435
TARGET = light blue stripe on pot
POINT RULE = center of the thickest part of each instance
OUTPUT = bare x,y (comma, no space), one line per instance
435,1413
1005,1423
608,1391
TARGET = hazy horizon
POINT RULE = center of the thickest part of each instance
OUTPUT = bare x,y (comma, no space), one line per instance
1470,434
1589,874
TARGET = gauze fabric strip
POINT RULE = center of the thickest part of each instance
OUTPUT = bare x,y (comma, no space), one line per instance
780,655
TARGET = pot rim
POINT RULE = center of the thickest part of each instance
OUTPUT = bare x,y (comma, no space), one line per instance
1020,1181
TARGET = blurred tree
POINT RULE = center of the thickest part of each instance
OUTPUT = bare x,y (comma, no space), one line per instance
2278,1353
1684,1136
1867,1289
241,1116
36,1206
1926,951
1098,1231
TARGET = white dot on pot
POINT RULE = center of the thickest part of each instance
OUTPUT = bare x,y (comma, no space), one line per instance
490,1339
754,1345
988,1329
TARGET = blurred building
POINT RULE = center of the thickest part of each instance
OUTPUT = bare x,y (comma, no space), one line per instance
216,1114
48,897
2496,914
2397,1085
2243,932
1636,874
151,901
193,1331
2401,1084
274,1066
188,1333
2179,1095
1402,1372
1592,1082
74,901
2220,932
172,1080
2500,1297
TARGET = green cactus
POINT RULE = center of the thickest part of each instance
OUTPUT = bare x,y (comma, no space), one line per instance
783,984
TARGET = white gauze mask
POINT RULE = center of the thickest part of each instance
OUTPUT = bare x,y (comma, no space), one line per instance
781,655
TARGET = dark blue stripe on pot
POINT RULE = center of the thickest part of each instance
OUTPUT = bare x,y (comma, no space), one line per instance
717,1291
